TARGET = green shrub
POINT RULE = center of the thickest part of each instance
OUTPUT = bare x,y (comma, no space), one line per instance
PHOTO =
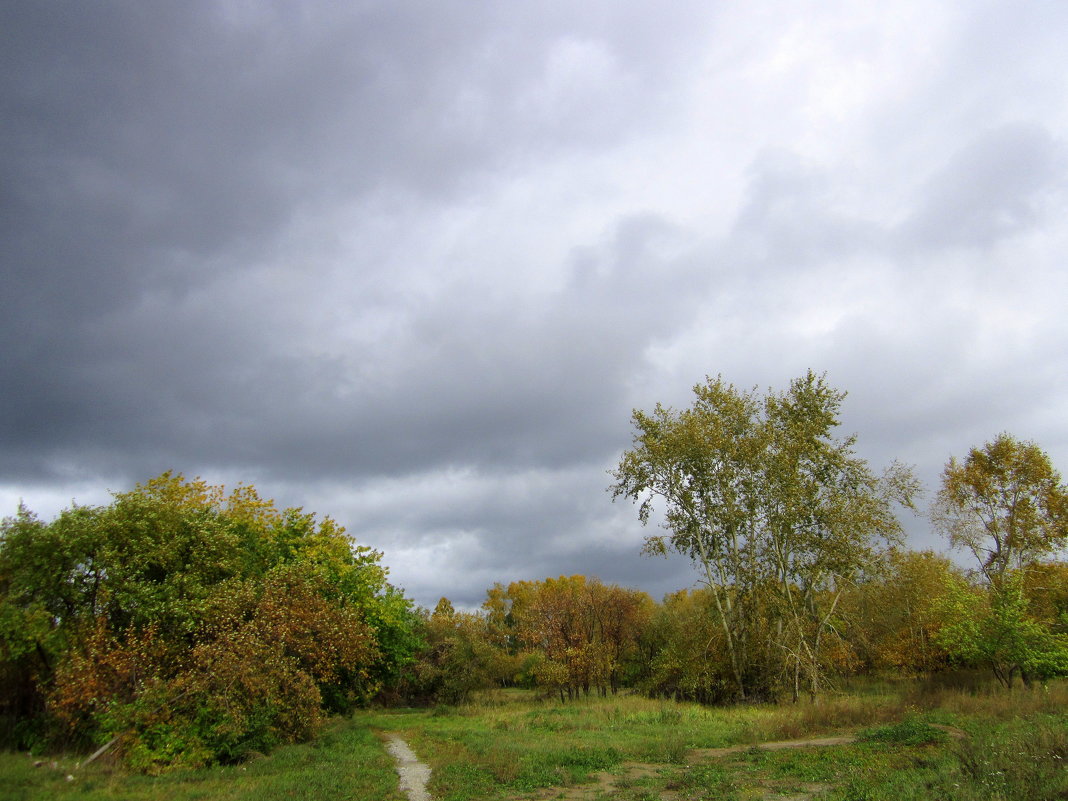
911,731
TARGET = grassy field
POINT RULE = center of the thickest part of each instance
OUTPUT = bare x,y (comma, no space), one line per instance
511,745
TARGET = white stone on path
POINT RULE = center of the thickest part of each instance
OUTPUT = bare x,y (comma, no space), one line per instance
414,774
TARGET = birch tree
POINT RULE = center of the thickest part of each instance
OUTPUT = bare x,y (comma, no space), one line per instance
776,513
1005,504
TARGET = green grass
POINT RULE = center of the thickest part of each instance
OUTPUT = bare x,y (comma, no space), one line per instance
911,731
512,745
347,762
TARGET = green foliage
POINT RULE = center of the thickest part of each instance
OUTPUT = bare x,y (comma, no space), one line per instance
776,512
911,731
346,761
192,625
688,658
1007,506
455,661
991,627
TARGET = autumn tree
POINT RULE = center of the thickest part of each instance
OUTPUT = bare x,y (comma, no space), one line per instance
190,623
458,657
683,651
892,616
579,633
1007,506
776,512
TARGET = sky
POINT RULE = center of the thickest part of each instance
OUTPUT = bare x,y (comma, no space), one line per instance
413,264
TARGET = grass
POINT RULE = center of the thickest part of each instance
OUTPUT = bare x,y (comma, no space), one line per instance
347,762
911,731
511,745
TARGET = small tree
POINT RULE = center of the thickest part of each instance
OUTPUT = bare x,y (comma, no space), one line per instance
1006,505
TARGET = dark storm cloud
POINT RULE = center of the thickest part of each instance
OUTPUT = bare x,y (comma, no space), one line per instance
149,148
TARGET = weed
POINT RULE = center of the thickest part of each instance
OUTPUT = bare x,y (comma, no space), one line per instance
1023,759
911,731
711,782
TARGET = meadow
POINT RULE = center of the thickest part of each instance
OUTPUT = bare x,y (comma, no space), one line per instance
913,740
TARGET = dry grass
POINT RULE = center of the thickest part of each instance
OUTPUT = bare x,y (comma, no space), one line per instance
989,700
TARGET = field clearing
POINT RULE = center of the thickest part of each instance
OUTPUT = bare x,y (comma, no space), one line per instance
513,745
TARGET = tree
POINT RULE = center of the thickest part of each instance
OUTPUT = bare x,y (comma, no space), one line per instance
193,623
1005,505
578,633
458,657
996,628
775,511
893,616
684,651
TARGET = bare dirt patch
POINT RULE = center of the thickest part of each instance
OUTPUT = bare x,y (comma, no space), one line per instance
779,745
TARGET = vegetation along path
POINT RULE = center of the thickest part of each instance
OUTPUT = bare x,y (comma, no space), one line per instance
606,782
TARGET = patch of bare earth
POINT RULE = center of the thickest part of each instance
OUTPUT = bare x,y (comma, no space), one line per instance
780,745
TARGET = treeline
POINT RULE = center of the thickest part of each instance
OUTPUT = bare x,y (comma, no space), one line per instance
183,625
567,636
915,613
785,524
800,555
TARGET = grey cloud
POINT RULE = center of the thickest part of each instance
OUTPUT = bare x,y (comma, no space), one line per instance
790,215
993,188
149,147
302,245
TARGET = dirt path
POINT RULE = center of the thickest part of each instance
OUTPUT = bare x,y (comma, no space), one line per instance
414,774
778,745
781,745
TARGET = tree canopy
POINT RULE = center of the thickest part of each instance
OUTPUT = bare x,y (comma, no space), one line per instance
776,511
192,624
1005,504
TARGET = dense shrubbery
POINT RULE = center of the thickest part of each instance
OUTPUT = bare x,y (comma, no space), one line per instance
192,625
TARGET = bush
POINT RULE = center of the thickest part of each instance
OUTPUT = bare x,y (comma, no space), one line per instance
190,625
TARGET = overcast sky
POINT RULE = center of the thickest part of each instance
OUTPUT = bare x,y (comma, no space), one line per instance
412,265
